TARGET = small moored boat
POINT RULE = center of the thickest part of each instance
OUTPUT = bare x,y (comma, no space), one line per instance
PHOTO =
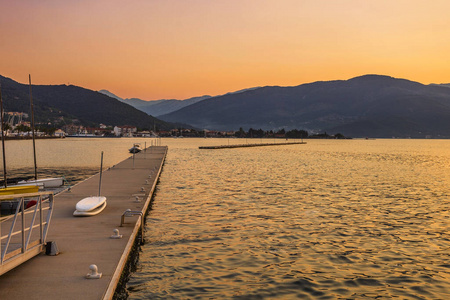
45,182
23,189
135,149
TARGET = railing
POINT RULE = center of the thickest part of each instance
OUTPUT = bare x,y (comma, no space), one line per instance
18,240
130,213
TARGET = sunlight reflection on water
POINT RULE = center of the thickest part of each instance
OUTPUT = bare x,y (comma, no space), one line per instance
329,219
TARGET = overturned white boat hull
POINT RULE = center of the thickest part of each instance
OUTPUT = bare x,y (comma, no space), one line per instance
89,213
90,206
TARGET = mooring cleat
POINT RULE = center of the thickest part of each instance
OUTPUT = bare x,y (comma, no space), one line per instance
116,234
94,273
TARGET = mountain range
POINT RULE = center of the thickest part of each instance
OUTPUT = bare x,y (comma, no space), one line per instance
156,107
365,106
164,106
57,105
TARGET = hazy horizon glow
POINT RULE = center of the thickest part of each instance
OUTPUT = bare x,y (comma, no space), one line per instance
166,49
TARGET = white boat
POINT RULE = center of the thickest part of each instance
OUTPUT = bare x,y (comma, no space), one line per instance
135,149
93,205
90,206
45,182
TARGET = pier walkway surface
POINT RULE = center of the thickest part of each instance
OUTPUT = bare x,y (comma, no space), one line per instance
250,145
83,241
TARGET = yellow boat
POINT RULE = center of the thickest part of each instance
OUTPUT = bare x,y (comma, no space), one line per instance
21,189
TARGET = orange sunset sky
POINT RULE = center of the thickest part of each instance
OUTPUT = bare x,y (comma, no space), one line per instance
163,49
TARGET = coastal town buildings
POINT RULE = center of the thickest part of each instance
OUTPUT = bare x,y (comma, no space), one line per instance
124,130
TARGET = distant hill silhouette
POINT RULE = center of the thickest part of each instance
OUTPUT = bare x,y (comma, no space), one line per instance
157,107
443,84
365,106
164,106
57,104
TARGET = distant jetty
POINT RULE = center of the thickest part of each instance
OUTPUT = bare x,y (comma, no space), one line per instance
250,145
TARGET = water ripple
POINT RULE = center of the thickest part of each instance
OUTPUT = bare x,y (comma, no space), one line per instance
326,220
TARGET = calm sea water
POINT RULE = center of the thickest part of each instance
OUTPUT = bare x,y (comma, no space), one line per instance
352,219
73,158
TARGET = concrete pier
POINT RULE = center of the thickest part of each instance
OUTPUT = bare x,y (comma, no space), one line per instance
83,241
250,145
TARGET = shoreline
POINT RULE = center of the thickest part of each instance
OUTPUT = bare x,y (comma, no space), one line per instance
12,138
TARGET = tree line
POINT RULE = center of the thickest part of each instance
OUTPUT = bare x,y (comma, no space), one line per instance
255,133
259,133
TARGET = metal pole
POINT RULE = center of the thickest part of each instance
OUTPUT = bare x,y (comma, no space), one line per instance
3,138
32,129
100,181
41,228
22,207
